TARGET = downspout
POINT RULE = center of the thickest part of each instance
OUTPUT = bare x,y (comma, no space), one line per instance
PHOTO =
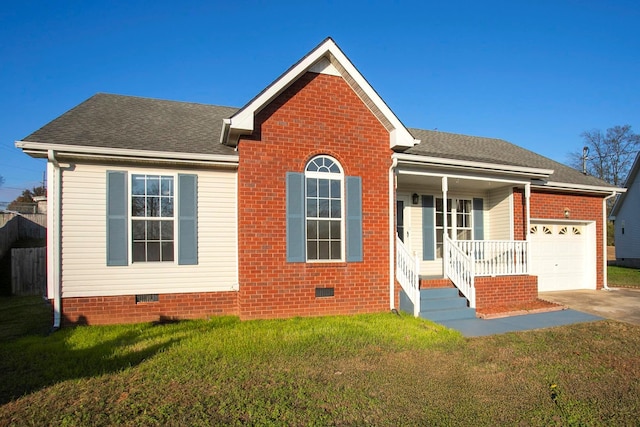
53,235
604,241
392,233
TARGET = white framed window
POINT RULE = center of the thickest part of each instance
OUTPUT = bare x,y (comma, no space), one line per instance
461,227
324,205
153,219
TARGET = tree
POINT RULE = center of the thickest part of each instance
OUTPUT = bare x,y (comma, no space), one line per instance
609,155
24,202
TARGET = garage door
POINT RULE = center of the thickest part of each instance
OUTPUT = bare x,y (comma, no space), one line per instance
559,256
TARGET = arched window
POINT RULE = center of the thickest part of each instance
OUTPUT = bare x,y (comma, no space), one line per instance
324,201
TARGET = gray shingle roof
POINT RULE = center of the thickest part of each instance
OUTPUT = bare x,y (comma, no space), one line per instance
117,121
127,122
490,150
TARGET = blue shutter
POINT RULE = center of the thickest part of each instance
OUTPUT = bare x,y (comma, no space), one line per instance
354,218
117,219
428,229
295,218
478,219
187,219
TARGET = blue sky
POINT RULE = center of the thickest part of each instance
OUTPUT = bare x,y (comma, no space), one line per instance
535,73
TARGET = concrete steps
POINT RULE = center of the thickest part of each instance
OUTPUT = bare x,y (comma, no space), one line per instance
440,304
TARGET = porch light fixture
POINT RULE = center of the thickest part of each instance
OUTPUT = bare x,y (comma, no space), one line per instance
567,212
415,198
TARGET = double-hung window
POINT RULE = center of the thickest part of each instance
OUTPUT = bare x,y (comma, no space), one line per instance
324,207
152,218
324,213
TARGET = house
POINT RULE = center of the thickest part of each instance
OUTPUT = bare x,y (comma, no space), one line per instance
626,220
312,199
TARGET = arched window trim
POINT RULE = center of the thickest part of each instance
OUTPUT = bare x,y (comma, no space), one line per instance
321,249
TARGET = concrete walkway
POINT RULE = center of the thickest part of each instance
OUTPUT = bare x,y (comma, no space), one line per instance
622,304
484,327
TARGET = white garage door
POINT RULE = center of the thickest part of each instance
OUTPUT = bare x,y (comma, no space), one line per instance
560,256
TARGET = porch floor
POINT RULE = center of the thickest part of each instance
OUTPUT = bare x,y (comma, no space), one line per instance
485,327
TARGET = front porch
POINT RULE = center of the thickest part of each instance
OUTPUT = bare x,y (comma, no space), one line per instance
490,275
464,229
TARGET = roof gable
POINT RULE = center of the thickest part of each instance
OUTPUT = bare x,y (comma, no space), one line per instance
326,58
631,180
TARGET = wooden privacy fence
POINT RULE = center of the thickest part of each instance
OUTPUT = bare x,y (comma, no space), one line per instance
29,271
9,233
20,226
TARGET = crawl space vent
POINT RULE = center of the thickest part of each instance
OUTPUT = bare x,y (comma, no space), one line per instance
324,292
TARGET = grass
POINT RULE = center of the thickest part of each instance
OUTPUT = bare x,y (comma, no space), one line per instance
623,277
379,369
22,316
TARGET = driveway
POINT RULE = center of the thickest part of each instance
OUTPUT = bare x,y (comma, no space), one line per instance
621,304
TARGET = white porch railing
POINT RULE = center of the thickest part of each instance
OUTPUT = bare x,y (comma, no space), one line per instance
459,267
408,274
496,257
466,259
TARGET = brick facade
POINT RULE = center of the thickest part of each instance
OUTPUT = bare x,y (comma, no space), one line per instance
503,290
318,114
123,308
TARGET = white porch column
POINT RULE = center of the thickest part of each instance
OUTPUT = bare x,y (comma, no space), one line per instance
392,233
445,189
527,222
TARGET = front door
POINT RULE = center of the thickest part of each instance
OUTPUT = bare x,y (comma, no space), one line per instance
403,219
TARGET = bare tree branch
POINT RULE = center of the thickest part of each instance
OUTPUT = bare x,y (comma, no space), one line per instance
610,154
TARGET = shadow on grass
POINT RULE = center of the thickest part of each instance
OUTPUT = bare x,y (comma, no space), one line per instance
31,363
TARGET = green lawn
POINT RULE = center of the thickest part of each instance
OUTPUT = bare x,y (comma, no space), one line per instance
623,277
362,370
23,315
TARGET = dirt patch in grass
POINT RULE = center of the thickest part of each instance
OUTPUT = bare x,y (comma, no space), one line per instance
515,309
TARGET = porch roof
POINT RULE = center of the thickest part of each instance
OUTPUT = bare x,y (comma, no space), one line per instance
495,151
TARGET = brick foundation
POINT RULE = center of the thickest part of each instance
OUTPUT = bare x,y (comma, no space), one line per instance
123,308
504,290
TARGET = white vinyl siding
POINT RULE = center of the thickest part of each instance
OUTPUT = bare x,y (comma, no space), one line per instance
499,212
84,269
628,244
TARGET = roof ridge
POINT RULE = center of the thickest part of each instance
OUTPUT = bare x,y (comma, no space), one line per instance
149,98
460,134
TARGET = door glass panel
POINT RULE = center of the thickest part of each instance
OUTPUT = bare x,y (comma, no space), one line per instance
400,219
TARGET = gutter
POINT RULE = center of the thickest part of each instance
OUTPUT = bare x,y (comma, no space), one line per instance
126,154
559,186
53,235
604,240
418,160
